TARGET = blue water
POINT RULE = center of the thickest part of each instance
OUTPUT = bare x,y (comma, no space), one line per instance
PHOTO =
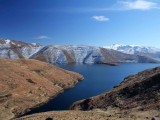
99,78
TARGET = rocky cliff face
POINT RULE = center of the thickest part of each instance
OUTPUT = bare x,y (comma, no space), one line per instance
11,49
138,96
26,84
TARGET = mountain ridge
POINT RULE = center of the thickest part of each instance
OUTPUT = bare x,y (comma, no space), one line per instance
11,49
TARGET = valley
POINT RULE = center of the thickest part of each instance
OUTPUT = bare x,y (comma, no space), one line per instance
79,60
99,66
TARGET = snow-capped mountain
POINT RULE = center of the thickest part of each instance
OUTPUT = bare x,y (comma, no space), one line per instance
85,54
11,49
71,53
133,49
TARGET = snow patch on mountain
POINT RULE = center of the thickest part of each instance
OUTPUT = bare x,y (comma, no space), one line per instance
53,55
82,53
9,49
8,54
7,41
27,52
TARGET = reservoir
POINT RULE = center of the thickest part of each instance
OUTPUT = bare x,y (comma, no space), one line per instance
99,78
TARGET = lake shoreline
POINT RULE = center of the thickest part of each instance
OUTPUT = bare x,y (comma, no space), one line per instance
83,91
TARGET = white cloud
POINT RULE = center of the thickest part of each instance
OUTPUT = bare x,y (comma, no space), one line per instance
42,37
138,4
122,5
101,18
119,5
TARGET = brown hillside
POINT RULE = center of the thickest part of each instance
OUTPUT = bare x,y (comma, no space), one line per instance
138,96
27,84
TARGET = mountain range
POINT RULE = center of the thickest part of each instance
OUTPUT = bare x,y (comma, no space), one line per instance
136,49
27,83
12,49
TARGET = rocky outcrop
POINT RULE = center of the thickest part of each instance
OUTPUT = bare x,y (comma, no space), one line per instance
11,49
26,84
138,96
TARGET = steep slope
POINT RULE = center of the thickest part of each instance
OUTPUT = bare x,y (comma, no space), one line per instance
12,49
26,84
133,49
119,57
138,96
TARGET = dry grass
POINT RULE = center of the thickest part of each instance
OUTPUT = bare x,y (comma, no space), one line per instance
30,84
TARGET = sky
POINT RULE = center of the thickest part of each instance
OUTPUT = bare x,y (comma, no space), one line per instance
87,22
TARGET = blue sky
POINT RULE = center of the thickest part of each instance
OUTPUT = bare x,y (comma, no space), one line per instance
88,22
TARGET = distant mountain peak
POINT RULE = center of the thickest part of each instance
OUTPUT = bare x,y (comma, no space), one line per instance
133,49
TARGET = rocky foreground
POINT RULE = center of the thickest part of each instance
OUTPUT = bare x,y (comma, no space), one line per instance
138,96
26,84
73,115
